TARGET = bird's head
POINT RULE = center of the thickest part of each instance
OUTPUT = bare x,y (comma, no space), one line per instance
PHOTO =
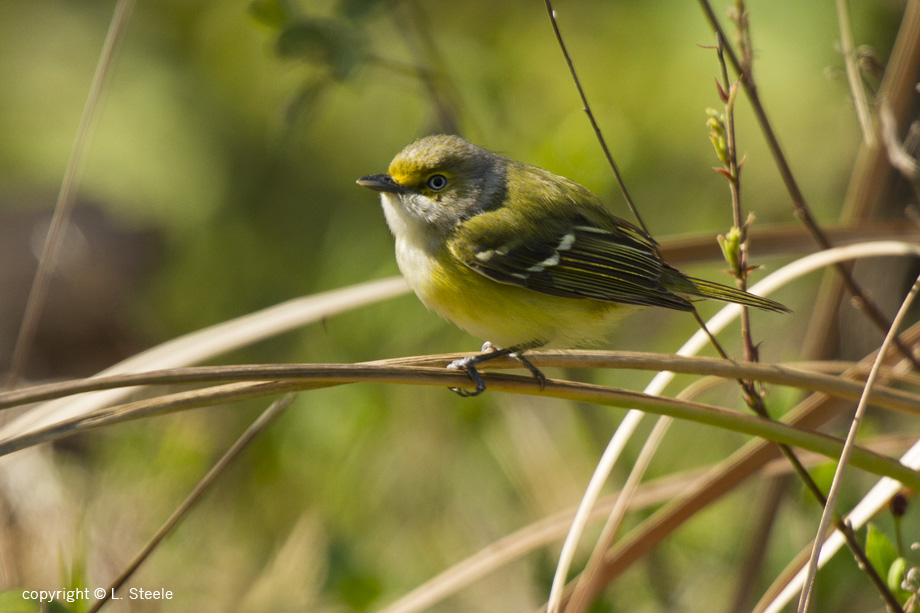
437,182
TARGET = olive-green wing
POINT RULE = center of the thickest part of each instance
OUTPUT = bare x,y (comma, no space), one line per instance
574,257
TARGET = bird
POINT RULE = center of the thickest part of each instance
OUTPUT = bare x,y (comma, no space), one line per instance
521,257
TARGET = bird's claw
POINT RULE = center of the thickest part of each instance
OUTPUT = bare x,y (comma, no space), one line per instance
468,364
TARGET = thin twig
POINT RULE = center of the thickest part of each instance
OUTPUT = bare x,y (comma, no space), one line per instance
848,48
898,154
66,196
752,398
805,600
733,170
267,416
597,129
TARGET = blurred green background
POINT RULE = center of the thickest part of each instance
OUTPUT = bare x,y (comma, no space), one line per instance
220,180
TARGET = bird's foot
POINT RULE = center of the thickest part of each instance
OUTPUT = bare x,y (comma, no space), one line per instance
490,352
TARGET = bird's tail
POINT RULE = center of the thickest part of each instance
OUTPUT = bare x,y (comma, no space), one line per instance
692,286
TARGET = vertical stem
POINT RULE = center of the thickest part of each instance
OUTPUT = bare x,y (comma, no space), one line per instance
734,182
66,195
848,48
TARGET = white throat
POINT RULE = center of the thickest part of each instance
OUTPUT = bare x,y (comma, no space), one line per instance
409,230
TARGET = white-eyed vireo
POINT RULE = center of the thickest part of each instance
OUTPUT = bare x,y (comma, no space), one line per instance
519,256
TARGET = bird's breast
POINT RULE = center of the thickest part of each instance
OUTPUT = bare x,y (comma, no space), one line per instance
420,268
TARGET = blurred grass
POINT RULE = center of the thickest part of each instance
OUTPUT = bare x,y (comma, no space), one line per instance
201,142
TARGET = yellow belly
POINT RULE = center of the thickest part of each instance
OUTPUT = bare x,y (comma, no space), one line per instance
505,315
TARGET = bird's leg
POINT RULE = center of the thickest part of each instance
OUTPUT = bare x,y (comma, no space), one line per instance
490,352
536,372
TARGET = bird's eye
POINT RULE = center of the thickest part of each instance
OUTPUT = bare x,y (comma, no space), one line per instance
437,182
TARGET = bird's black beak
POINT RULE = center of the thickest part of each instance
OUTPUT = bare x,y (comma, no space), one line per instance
380,183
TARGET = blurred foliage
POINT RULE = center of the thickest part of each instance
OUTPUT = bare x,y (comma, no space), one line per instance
234,132
888,564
